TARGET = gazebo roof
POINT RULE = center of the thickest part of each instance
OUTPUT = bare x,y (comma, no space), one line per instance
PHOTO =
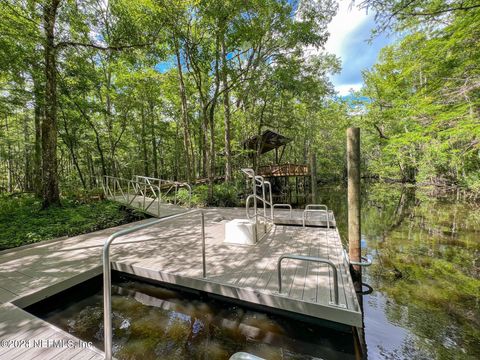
266,142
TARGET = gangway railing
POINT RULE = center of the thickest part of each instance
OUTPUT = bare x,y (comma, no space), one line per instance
107,271
169,185
131,190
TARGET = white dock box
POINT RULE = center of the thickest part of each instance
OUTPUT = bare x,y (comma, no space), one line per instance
240,231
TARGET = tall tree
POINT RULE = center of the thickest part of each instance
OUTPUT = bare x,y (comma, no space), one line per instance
50,190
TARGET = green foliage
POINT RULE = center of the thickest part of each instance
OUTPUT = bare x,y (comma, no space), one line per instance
422,115
23,221
224,195
125,107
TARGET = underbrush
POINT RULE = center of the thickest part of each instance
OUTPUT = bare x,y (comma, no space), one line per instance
22,221
224,195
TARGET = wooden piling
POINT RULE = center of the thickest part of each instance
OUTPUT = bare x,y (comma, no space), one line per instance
313,174
353,168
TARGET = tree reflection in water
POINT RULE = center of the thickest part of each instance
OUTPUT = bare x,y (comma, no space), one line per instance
425,248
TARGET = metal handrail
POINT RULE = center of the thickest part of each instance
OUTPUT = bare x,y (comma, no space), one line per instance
107,271
312,208
139,188
313,259
260,182
173,184
365,261
247,206
284,206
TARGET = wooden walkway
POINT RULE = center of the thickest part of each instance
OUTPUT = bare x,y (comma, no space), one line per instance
171,252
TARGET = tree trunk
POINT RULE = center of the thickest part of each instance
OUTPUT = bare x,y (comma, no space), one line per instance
70,142
9,161
184,112
50,190
98,145
154,141
211,120
28,170
38,117
226,109
91,170
204,136
146,171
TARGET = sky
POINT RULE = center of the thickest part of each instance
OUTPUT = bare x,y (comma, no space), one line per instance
349,31
349,34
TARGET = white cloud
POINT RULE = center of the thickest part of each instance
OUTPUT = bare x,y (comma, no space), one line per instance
349,31
346,88
348,18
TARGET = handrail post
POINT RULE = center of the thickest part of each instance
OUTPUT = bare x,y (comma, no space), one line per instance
271,198
262,182
160,193
144,195
158,202
204,264
107,274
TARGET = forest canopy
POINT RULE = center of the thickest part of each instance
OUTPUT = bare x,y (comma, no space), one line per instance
172,88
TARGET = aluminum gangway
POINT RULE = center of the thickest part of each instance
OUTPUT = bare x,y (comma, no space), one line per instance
156,197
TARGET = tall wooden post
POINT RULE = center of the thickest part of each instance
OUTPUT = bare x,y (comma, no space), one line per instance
353,167
313,174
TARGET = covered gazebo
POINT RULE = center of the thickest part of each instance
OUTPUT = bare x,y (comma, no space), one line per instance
279,173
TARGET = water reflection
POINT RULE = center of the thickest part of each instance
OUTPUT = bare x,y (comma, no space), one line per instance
150,322
426,273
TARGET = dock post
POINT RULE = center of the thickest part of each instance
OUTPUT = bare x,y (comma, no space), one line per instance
353,168
313,173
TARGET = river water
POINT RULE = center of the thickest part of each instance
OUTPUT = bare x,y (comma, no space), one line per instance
424,303
425,275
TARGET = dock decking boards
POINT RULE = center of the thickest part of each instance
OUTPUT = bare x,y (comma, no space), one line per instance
171,252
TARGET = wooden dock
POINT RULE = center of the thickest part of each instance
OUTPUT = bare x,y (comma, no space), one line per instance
171,252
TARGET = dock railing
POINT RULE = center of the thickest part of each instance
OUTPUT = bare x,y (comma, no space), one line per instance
168,187
107,271
316,208
312,259
282,206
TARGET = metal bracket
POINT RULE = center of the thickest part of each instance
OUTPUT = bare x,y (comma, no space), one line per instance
366,262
